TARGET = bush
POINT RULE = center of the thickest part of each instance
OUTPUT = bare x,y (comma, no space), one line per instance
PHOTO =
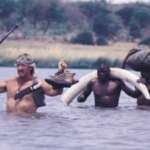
145,41
83,38
101,41
106,25
135,28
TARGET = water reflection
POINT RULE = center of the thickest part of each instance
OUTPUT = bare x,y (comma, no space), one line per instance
78,126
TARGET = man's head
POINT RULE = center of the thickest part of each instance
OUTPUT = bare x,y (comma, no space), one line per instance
24,63
103,71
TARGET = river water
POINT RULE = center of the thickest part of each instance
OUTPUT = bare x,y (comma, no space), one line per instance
75,127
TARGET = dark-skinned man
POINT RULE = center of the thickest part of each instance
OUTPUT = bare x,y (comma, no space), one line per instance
106,89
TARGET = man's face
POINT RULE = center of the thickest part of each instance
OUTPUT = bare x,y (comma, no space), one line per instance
23,69
103,72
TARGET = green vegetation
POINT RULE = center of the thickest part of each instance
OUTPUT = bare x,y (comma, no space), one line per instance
61,21
101,41
96,25
85,38
145,41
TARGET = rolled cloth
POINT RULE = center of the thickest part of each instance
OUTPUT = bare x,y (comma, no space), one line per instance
140,59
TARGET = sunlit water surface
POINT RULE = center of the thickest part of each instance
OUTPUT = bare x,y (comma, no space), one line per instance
75,127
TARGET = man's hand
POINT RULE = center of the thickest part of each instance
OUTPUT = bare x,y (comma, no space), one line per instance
141,80
62,64
81,98
132,51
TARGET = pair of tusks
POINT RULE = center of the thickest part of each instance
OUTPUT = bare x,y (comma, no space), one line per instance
118,73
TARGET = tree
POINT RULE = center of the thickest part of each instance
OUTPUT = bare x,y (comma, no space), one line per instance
83,38
101,41
22,6
74,16
6,8
33,12
142,14
126,14
135,29
91,8
107,26
138,11
52,12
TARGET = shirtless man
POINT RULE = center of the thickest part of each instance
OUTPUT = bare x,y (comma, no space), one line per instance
106,89
12,85
145,78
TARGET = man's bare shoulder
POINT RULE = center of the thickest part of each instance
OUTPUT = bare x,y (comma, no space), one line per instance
10,79
40,79
93,81
117,81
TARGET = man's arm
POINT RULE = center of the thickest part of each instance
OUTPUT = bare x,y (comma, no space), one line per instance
3,86
83,96
133,93
48,89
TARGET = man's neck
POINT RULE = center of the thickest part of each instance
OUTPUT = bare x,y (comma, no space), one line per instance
25,79
106,80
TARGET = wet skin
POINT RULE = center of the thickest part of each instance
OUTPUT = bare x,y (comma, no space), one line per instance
106,90
145,78
12,85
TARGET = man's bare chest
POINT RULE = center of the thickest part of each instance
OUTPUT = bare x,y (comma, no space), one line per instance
15,87
107,88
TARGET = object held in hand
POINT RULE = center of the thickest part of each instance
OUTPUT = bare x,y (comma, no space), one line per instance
62,80
15,27
28,90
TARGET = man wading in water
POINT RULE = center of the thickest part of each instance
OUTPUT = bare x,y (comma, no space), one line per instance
106,89
145,78
29,102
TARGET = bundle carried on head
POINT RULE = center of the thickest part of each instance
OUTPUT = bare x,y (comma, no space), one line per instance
140,58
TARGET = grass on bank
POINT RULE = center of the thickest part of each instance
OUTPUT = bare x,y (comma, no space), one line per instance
47,54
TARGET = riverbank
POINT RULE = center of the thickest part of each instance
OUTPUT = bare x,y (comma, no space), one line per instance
47,54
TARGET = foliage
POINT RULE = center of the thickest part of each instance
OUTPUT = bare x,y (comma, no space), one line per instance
52,13
135,29
139,12
126,14
106,25
21,10
101,40
135,17
33,12
91,8
98,16
145,41
83,38
6,8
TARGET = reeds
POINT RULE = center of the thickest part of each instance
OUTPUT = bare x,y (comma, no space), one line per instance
47,54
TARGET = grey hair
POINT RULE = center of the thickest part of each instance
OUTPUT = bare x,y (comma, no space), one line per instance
27,59
33,71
